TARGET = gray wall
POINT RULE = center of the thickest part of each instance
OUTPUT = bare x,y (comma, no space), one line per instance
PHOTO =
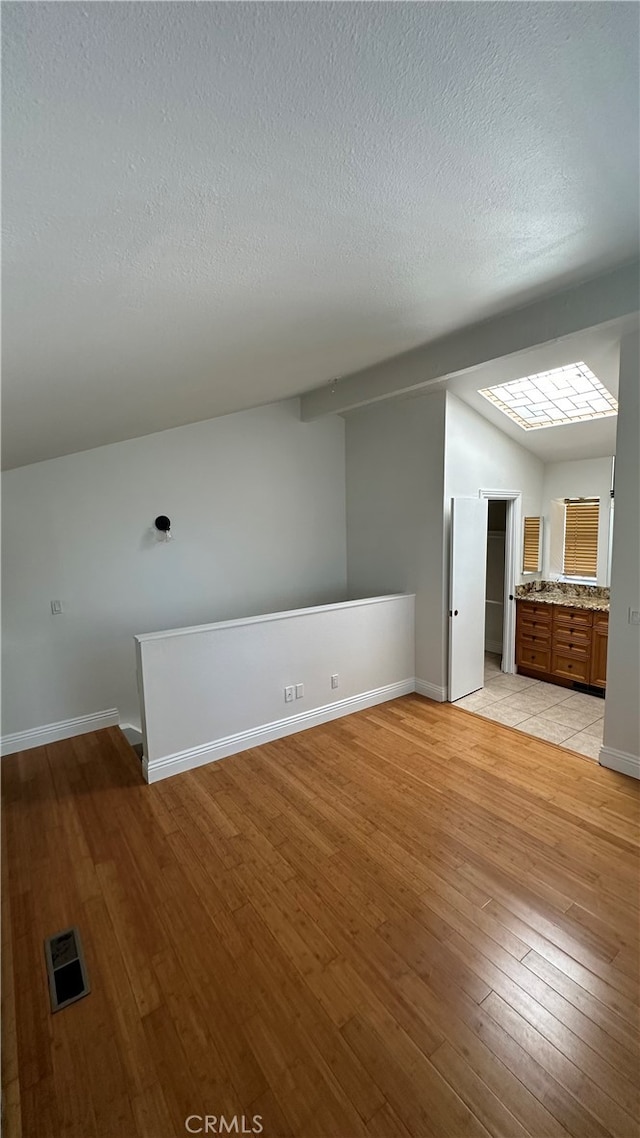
621,747
258,510
395,481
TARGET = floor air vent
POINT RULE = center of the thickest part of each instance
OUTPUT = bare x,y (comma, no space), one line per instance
66,968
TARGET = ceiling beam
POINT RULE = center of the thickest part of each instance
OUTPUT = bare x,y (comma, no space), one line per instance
610,296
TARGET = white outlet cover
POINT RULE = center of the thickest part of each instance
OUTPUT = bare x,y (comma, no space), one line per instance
288,694
299,691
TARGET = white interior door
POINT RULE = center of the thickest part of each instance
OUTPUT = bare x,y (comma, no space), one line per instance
467,595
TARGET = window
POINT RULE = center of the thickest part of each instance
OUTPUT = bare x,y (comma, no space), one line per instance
581,519
531,545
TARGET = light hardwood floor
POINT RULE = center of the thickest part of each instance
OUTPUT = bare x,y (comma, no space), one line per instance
412,921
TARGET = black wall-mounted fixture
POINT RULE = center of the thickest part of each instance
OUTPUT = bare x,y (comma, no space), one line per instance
162,523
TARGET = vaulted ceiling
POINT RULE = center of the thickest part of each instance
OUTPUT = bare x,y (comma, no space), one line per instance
210,206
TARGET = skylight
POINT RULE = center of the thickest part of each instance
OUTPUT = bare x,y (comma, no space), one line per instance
568,394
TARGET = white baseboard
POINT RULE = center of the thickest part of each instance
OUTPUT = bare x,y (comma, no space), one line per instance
620,761
432,691
53,732
157,769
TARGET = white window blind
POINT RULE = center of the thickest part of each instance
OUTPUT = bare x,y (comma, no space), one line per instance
581,537
531,545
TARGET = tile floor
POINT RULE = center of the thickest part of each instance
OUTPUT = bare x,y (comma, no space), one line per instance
545,710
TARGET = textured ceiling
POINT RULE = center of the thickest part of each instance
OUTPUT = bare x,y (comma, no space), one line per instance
209,206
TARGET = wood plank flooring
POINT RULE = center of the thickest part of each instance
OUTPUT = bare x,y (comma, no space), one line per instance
409,922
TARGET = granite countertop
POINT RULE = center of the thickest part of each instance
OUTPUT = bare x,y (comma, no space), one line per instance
591,597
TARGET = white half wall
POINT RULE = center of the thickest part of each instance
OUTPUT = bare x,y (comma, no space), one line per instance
257,505
621,746
395,477
216,690
581,478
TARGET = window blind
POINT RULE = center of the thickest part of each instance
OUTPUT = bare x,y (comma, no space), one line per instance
531,546
581,537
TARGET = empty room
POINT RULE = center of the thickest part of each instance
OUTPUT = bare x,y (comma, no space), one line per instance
320,569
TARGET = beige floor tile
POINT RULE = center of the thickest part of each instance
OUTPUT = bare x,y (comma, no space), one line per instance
577,717
477,700
594,729
581,699
510,716
505,684
532,702
545,729
584,744
559,693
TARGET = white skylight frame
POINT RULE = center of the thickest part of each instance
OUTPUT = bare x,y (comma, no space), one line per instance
570,394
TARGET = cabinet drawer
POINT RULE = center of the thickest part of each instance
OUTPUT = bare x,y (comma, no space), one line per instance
567,636
573,618
572,666
535,640
601,621
529,627
538,612
530,656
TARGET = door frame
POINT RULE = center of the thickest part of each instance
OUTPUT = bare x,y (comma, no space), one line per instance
512,550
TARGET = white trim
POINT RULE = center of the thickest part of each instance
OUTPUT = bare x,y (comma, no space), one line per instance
286,615
620,761
53,732
431,691
256,736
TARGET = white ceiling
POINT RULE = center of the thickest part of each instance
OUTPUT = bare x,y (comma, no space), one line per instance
598,348
210,206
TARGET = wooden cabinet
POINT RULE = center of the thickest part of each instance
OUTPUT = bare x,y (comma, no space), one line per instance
598,677
561,644
533,637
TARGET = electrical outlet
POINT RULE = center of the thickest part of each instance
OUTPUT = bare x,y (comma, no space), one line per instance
634,616
56,608
288,694
299,691
334,680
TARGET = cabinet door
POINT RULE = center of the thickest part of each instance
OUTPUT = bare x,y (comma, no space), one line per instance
599,657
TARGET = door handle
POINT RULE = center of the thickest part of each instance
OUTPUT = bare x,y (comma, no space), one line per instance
453,613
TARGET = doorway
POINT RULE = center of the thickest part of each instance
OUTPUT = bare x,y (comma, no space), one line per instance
494,605
468,588
503,541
